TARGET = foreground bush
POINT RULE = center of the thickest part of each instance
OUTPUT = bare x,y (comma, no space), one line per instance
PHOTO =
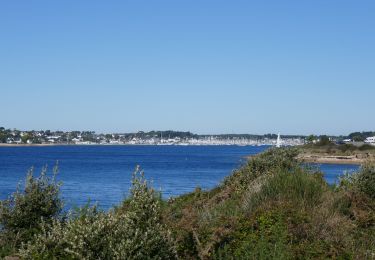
133,231
23,212
366,179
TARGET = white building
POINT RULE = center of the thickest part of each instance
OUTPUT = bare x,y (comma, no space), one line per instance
370,140
76,140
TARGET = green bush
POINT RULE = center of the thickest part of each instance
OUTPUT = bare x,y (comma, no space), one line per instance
323,140
347,148
22,213
141,235
263,164
133,231
366,179
363,180
266,238
366,147
85,236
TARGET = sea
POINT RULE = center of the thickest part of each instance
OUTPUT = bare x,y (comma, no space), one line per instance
102,174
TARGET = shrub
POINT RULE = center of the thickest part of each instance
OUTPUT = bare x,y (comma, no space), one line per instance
366,147
347,148
366,180
133,231
22,213
363,180
141,234
263,164
85,236
265,238
324,140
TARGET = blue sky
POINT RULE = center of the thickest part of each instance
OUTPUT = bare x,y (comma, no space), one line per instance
295,67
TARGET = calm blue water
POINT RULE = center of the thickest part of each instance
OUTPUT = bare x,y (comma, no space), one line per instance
103,173
332,171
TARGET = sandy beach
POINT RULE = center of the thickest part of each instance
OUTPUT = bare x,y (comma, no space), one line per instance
312,158
23,145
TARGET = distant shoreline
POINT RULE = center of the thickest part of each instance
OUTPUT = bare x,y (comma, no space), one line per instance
325,160
22,145
309,158
319,158
65,144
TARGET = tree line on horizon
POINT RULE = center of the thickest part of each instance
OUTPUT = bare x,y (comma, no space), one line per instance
67,136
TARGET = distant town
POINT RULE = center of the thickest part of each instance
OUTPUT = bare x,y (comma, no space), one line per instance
15,136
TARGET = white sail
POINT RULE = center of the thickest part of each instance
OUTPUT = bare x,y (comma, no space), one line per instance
278,141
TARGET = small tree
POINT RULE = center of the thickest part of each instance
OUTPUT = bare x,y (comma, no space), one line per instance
25,138
324,140
310,139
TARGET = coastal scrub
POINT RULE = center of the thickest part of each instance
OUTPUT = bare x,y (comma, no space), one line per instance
273,207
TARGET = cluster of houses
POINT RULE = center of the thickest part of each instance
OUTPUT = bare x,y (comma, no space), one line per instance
11,140
368,140
40,137
141,138
87,138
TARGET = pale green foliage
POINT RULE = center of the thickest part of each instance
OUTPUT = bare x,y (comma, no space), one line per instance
84,237
366,179
141,225
133,231
22,213
363,180
348,181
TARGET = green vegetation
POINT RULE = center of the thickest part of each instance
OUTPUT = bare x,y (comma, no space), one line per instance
331,148
271,208
132,231
22,213
360,136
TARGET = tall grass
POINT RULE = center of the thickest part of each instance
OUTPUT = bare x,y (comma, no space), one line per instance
298,187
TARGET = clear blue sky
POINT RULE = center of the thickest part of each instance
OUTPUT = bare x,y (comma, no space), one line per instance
295,67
